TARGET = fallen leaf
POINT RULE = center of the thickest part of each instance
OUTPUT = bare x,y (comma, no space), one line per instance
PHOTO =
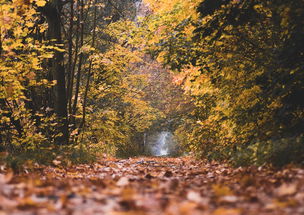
286,189
221,190
123,181
149,176
6,178
194,196
225,211
229,199
56,162
168,174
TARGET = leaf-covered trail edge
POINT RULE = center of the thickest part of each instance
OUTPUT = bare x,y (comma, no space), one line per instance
168,186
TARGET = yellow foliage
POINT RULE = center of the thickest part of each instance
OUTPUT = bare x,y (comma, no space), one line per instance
167,15
20,67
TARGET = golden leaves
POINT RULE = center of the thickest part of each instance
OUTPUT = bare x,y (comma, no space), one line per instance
249,97
225,211
167,16
221,190
40,3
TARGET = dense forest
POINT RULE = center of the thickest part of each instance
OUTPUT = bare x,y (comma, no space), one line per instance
150,107
84,78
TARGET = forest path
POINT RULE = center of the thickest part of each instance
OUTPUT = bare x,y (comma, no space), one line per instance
141,186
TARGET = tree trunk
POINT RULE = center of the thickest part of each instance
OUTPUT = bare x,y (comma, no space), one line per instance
70,75
0,45
73,67
90,69
52,12
74,110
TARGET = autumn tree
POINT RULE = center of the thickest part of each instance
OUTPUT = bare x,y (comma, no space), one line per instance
55,58
233,60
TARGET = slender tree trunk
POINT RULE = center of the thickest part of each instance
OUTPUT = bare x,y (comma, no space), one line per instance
70,53
52,12
0,43
90,69
79,62
74,66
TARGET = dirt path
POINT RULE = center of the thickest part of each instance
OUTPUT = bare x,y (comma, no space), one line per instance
170,186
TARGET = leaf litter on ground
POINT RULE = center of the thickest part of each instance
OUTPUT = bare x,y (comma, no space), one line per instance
169,186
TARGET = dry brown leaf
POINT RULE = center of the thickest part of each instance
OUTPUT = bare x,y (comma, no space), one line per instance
221,190
187,207
6,203
6,178
286,189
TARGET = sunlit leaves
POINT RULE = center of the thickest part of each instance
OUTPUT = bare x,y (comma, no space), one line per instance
40,3
230,66
21,71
